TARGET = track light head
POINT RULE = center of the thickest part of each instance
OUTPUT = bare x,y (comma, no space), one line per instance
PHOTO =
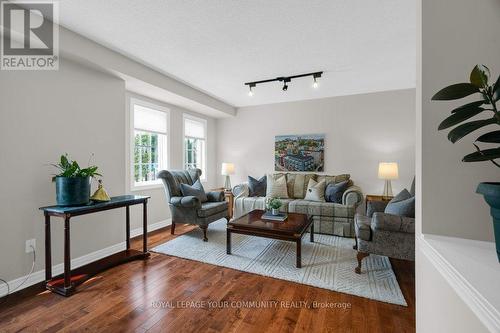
285,87
250,91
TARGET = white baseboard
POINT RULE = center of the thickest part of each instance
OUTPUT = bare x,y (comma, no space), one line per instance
39,276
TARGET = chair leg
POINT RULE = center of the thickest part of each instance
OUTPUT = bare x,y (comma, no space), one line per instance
172,228
204,228
360,257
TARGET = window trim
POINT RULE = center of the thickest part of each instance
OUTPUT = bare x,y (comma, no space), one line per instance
151,184
185,116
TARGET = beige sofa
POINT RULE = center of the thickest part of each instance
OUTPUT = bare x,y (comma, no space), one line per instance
329,218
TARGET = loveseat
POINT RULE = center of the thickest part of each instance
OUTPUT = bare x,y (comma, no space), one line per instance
329,218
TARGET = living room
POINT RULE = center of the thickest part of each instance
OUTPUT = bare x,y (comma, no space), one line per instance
247,166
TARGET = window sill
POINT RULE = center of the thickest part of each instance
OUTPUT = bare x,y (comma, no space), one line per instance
138,188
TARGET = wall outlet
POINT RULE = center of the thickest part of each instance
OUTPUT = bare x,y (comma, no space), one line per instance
29,244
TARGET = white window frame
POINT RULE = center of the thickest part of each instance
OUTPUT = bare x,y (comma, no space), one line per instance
204,170
153,184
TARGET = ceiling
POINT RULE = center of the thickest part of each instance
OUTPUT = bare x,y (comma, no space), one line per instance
217,45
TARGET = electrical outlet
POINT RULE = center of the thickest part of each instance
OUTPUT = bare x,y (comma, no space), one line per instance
29,244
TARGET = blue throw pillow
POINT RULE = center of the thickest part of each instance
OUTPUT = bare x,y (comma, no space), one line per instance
257,188
334,192
402,204
195,190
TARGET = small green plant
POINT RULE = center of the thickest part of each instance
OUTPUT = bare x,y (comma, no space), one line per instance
273,203
490,95
71,169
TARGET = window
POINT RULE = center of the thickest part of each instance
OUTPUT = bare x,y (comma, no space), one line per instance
195,130
149,153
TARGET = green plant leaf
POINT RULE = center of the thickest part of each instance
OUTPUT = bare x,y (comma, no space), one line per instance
496,90
455,91
459,116
483,155
462,130
479,76
468,105
491,137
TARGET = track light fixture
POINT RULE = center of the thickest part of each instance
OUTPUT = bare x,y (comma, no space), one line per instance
285,80
250,91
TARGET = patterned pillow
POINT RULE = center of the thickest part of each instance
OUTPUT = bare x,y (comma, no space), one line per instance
276,186
257,188
195,190
334,192
334,179
315,191
297,184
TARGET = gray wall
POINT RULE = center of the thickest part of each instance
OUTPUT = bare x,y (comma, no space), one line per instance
80,111
456,35
361,131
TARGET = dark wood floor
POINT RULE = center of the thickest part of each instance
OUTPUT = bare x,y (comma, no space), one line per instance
125,299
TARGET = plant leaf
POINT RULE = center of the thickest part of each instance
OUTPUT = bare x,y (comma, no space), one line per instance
491,137
479,76
468,105
455,91
462,130
483,155
459,116
496,90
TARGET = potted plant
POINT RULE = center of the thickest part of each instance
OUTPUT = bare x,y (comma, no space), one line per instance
274,205
489,95
73,182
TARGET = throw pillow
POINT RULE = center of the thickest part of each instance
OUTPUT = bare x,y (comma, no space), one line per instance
276,186
257,188
402,208
195,190
334,192
403,204
315,191
297,184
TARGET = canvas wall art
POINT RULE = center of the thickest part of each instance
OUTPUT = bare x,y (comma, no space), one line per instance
299,152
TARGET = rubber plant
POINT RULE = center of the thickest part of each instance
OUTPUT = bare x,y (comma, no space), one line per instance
487,145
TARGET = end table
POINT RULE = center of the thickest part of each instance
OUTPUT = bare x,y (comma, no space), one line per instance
375,197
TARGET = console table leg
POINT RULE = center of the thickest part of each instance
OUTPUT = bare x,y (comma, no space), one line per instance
67,254
48,250
145,227
299,253
127,222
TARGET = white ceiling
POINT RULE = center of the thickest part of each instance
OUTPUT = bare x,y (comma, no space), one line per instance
217,45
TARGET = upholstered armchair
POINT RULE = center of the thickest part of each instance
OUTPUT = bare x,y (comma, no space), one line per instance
189,209
383,234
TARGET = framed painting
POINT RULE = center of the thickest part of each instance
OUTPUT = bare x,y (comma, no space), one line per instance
299,153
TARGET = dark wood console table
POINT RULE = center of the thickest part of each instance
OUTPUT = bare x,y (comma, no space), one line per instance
66,283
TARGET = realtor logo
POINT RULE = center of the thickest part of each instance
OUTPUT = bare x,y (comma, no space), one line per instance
30,35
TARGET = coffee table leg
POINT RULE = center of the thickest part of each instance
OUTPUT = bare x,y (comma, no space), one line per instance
299,253
228,242
312,232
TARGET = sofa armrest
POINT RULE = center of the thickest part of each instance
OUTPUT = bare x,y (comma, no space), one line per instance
395,223
215,196
353,196
185,202
240,191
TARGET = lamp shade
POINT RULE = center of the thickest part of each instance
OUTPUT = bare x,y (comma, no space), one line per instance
227,169
388,171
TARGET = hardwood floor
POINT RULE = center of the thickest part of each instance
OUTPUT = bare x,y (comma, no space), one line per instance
128,298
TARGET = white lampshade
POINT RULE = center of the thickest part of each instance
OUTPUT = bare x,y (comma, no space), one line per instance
388,171
227,169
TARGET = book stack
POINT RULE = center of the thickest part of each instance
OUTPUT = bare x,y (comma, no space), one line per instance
268,216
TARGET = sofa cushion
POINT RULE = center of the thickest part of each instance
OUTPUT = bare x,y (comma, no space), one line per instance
211,208
362,227
321,208
257,187
334,179
315,191
297,184
195,190
335,191
276,186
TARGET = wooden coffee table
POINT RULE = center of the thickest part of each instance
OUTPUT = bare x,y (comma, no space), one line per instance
292,229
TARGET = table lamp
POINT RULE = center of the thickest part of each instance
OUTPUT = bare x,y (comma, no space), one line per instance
227,170
388,172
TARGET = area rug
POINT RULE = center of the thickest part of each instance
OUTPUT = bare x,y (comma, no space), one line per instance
327,263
